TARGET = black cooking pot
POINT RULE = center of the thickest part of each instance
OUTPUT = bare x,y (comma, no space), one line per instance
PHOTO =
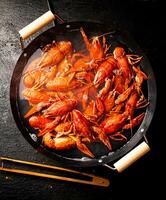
71,31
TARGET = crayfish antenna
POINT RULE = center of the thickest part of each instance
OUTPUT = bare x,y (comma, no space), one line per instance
131,128
85,38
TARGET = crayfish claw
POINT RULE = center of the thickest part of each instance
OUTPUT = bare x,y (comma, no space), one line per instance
83,148
102,136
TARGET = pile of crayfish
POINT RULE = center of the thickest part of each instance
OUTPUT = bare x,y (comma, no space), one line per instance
86,96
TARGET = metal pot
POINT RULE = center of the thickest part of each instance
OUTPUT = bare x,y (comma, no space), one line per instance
70,31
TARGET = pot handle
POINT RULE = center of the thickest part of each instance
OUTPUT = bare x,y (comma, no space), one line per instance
36,25
130,158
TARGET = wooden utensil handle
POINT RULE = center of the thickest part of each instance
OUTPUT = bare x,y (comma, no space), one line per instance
132,156
36,25
94,180
98,181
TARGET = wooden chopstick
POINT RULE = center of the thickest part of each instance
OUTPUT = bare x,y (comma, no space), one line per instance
95,180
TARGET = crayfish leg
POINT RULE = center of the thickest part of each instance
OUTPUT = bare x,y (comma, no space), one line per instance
32,111
118,137
134,122
50,126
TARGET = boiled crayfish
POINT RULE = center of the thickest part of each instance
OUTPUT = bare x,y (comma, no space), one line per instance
83,97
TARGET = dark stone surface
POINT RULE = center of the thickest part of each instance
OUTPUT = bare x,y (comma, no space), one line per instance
140,18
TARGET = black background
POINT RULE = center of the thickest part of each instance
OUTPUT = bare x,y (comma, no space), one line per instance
144,19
